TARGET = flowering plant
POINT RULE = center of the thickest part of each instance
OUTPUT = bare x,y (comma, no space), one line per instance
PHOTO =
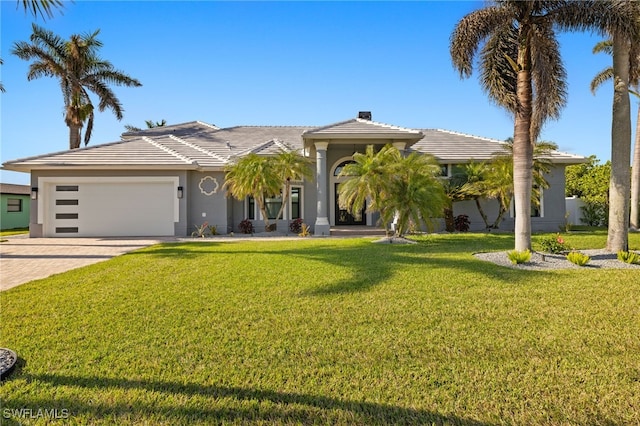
554,244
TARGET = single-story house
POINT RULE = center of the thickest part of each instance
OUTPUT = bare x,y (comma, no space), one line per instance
167,180
14,205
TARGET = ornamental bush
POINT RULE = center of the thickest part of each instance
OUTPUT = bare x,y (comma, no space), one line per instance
516,257
296,226
246,227
578,258
461,223
554,244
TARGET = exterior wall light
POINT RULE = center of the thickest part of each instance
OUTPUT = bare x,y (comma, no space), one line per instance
180,192
34,193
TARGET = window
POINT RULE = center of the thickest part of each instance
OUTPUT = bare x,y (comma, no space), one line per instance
14,205
444,170
296,203
272,205
67,188
537,203
251,208
340,166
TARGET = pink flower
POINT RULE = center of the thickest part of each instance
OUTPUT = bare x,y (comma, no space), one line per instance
560,240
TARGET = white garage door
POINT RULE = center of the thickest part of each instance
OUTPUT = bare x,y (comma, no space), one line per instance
111,208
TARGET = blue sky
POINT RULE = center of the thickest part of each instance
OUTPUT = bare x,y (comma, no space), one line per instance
282,63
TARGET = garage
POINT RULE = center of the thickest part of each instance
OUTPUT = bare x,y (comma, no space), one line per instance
109,207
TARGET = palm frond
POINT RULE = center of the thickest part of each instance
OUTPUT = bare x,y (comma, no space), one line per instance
41,7
601,78
469,34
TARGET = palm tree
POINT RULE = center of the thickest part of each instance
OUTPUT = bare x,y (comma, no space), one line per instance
607,74
1,86
150,125
80,70
41,7
494,180
366,179
415,193
291,166
406,189
522,71
264,177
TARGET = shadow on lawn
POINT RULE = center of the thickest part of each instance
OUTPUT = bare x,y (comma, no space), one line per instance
369,264
247,405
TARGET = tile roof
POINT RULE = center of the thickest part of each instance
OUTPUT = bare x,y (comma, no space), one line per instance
180,129
455,148
358,127
197,145
11,188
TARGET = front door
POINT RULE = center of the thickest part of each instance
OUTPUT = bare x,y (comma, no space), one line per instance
343,217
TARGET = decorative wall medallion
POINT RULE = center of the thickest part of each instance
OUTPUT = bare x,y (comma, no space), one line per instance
208,185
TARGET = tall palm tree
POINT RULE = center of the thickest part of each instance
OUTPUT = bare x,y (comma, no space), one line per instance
41,7
263,177
522,71
1,86
606,46
80,70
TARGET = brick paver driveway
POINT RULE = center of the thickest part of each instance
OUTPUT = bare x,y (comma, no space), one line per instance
25,259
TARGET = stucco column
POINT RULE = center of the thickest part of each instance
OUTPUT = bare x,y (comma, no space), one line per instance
322,226
400,146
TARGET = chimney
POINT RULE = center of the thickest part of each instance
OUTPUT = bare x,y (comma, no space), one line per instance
365,115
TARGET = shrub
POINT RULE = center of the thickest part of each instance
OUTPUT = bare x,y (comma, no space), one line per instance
213,230
296,226
516,257
554,244
630,257
461,223
201,231
305,231
578,258
246,227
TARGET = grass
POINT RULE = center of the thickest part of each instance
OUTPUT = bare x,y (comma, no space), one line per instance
318,331
16,231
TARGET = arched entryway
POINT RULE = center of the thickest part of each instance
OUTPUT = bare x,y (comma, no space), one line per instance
342,217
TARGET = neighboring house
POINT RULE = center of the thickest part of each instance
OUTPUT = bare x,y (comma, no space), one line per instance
167,180
14,202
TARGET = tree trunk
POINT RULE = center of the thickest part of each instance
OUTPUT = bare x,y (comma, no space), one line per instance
619,186
635,179
523,153
74,136
485,219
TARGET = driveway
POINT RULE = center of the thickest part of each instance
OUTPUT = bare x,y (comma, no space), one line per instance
24,259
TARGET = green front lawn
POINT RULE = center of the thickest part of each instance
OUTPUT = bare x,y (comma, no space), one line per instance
16,231
327,331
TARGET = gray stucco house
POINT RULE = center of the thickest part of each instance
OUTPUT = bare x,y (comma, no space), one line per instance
167,180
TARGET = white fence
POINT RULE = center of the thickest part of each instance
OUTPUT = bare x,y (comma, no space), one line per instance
574,212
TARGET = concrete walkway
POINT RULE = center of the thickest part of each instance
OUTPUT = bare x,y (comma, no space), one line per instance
24,259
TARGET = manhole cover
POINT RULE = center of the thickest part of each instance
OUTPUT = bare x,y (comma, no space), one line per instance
8,360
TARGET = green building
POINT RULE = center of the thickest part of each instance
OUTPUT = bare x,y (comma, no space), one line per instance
14,206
